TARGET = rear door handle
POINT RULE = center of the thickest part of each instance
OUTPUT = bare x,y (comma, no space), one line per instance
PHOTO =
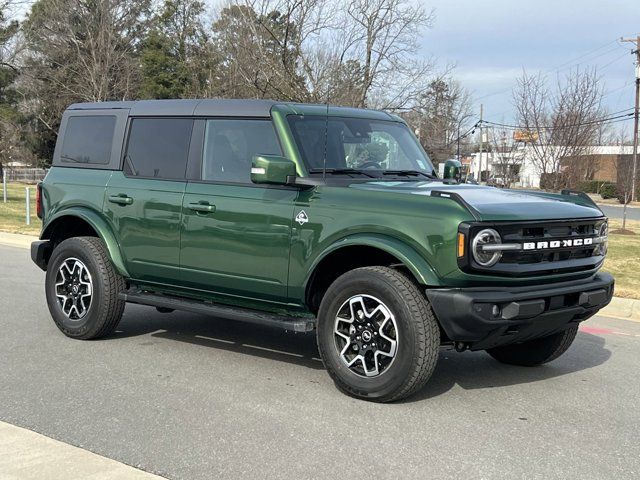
121,199
202,207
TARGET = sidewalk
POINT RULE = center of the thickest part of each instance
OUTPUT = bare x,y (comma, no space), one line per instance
626,308
16,240
26,455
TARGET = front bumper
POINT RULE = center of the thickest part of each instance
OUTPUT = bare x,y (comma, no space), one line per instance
488,317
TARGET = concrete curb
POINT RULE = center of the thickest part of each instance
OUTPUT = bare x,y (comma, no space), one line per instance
619,307
28,455
17,239
627,308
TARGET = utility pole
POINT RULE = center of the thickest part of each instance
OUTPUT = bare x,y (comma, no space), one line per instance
480,123
637,108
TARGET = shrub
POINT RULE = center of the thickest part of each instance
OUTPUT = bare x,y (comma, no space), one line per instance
620,194
589,186
608,190
547,181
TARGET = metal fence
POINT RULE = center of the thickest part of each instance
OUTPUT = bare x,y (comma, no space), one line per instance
25,175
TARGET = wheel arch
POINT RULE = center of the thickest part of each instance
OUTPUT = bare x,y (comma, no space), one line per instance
78,221
359,251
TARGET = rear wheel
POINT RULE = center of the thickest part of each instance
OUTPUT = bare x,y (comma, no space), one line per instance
377,335
535,352
82,288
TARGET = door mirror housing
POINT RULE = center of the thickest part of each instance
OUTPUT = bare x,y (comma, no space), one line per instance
452,171
272,169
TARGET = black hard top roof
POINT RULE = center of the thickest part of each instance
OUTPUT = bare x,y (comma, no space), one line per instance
226,107
222,107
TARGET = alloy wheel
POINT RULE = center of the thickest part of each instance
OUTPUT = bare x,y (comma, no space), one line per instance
74,288
366,335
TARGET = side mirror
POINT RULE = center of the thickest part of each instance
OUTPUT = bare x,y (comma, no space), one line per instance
452,169
272,169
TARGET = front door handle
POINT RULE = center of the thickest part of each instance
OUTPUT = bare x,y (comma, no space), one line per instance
121,199
202,207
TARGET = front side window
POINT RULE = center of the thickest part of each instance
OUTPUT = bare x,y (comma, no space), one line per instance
88,139
358,144
158,148
230,145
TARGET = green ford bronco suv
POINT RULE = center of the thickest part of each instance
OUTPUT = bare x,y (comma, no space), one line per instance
309,217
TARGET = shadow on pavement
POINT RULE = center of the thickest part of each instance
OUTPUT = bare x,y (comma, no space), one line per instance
469,370
258,341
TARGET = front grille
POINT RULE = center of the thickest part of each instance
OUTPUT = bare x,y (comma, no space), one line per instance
542,255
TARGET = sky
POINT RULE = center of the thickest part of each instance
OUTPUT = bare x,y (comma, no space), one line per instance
490,42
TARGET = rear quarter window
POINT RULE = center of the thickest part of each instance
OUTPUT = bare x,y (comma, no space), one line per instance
158,148
88,140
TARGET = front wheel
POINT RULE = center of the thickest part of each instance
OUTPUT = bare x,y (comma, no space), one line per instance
537,351
377,335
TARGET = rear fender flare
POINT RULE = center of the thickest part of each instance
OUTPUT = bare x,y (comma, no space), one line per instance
100,226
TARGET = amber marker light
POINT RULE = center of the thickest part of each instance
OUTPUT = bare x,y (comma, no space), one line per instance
460,244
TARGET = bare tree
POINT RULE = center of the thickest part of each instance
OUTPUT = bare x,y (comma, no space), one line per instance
624,172
441,115
357,53
507,155
564,120
383,36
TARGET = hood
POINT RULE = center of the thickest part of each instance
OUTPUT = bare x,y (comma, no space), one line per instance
492,203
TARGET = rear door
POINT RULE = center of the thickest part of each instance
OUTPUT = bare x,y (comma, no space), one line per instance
236,234
144,202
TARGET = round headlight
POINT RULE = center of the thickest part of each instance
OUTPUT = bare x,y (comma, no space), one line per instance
486,237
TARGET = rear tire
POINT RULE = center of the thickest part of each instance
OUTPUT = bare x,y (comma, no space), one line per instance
82,288
535,352
380,315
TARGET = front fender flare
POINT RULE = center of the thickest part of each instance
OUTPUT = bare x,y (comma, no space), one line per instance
416,263
101,227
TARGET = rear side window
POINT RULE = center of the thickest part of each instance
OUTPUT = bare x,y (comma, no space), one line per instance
158,148
88,139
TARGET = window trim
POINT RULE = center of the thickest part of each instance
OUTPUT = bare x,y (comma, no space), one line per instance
127,137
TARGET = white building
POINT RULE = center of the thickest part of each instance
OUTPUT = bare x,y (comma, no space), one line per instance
526,175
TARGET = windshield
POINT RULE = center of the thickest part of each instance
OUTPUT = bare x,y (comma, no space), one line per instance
359,146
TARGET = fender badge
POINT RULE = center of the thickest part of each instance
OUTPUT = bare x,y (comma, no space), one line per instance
302,218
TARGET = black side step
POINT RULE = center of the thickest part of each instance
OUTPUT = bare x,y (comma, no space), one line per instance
295,324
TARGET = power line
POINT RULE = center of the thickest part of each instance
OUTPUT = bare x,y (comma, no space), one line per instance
603,120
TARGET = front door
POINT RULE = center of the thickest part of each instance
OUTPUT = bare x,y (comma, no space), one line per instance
144,203
236,235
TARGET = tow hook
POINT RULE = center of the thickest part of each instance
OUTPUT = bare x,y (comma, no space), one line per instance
461,346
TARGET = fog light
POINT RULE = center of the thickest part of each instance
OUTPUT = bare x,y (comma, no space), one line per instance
495,310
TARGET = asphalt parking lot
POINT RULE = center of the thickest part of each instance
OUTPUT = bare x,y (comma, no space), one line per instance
191,397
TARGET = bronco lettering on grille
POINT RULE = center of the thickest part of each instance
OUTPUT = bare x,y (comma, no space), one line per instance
569,242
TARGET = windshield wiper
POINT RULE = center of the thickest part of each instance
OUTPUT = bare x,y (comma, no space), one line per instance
408,173
343,171
72,159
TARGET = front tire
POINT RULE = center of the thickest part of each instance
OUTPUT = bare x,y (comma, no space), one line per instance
377,334
82,288
535,352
